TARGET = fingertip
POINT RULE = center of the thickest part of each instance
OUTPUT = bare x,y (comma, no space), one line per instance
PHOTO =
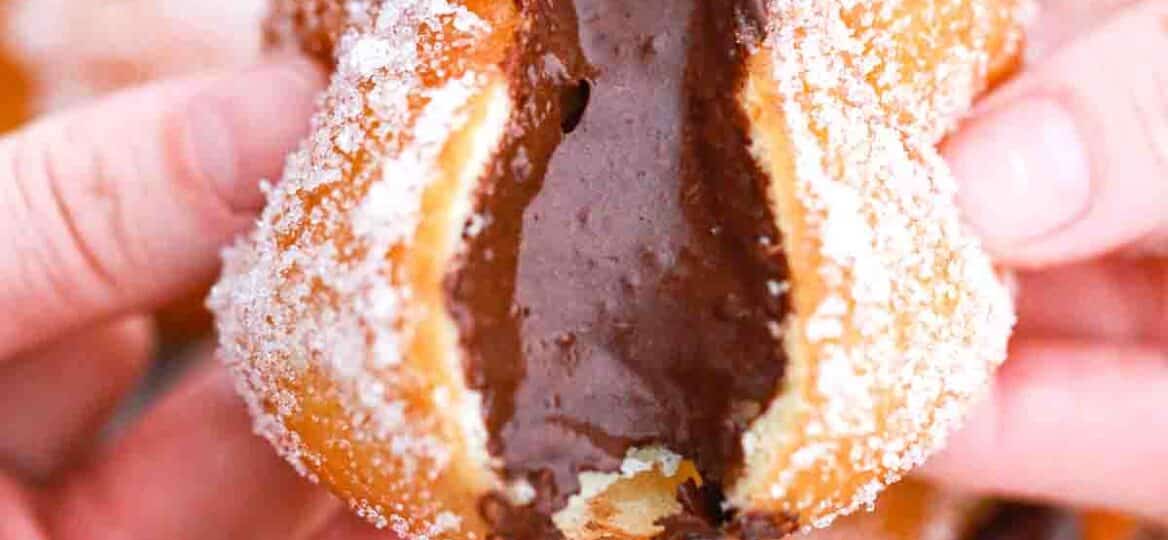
54,401
239,128
1086,111
1023,173
127,201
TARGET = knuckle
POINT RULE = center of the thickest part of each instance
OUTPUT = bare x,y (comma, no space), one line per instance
49,170
1150,108
1148,86
186,174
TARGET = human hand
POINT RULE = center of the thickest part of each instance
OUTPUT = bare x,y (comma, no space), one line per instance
109,211
1064,172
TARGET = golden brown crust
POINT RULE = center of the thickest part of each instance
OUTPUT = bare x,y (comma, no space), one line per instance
332,313
1102,525
1110,525
898,318
909,510
15,93
312,25
926,59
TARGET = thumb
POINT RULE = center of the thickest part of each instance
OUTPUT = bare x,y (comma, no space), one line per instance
115,207
1071,160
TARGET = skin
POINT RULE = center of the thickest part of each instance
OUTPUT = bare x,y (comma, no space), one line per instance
115,208
1063,172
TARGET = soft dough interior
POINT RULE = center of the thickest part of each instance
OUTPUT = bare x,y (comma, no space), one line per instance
623,288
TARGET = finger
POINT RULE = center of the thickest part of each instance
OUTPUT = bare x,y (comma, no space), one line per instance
1069,161
1075,424
17,512
125,203
78,49
1117,300
54,401
1060,21
191,469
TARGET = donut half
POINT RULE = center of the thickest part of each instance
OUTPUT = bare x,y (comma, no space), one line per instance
617,269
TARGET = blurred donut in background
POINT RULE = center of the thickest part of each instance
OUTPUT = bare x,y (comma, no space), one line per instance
14,85
75,49
913,510
1105,525
910,510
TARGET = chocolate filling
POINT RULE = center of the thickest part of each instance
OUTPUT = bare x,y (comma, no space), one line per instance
626,289
704,516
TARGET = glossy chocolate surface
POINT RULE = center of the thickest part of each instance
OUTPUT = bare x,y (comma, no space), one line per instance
626,288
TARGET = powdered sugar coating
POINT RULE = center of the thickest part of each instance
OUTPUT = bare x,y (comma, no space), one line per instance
901,320
318,310
910,510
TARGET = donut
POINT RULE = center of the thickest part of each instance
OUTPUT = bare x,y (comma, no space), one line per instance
1103,525
15,93
1108,525
613,269
911,510
914,510
1007,520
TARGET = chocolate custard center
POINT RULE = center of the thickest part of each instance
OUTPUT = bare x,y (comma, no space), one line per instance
627,286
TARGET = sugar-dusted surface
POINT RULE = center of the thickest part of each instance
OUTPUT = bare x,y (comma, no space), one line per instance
910,510
331,313
926,59
313,25
328,313
900,317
